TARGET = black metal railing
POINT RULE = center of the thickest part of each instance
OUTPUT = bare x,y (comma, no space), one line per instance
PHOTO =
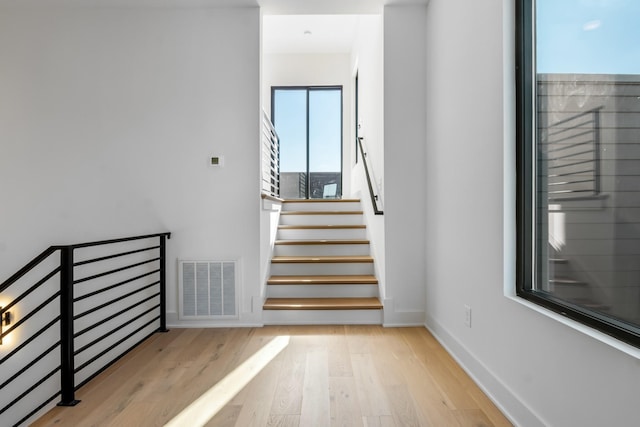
376,200
270,158
570,160
77,309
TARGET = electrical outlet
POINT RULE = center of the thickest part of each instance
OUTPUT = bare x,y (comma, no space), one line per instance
467,316
217,161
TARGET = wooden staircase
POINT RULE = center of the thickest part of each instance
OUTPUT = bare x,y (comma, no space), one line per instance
322,270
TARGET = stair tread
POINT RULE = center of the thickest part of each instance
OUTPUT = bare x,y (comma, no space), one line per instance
371,303
322,259
324,280
321,201
321,213
321,227
323,242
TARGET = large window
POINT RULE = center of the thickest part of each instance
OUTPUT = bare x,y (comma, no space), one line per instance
308,121
579,160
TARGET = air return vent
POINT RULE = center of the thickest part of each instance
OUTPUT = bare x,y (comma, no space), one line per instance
207,290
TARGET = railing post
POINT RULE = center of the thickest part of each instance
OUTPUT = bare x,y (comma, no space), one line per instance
67,381
163,284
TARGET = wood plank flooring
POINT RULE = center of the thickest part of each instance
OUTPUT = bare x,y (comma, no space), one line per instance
325,376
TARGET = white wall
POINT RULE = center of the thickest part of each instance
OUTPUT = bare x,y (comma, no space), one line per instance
108,117
404,158
368,59
541,371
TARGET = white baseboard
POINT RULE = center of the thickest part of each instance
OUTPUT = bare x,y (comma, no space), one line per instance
401,318
247,320
322,317
511,406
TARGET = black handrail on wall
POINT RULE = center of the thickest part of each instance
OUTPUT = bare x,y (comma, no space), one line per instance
69,317
375,199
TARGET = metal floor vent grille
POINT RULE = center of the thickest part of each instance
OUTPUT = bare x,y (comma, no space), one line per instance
207,290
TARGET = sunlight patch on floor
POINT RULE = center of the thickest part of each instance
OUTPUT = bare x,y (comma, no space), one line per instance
213,400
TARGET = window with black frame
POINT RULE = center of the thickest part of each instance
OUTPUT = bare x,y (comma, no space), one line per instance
578,136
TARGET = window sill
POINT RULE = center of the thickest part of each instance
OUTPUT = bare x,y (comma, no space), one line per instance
586,330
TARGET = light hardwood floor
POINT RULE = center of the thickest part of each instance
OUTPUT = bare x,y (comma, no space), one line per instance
326,376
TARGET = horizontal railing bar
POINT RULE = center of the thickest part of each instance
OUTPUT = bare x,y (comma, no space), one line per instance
555,175
108,288
99,371
33,337
571,182
106,304
268,134
566,156
33,362
104,258
117,343
574,118
571,164
27,268
566,138
29,315
42,405
108,242
571,191
38,408
578,145
592,111
114,330
563,131
106,319
117,270
30,389
565,147
31,289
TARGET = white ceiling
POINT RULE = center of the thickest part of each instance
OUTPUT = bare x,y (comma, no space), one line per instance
333,24
268,6
326,33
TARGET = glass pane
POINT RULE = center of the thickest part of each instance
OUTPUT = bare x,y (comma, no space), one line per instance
325,143
290,121
588,154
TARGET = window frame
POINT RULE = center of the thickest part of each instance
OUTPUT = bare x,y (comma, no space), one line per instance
526,206
308,89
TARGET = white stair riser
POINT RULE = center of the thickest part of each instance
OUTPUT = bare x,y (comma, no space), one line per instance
324,206
322,291
301,269
313,234
320,250
351,219
322,317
